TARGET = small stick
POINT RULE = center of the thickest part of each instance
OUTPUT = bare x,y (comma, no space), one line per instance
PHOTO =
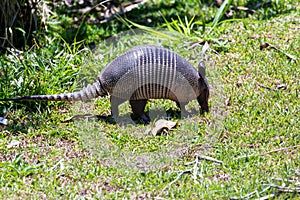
203,157
123,10
288,180
250,194
176,179
265,87
269,196
85,116
266,153
195,169
190,163
58,163
77,117
265,45
284,189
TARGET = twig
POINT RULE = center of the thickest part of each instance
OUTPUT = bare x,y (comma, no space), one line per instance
176,179
242,8
203,157
123,11
266,45
266,153
269,196
251,194
195,169
58,163
265,87
279,87
286,180
284,189
77,117
269,186
190,163
85,116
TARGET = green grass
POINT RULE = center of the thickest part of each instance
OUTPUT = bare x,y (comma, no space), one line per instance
253,126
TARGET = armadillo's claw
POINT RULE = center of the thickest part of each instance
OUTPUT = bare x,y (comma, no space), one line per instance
145,119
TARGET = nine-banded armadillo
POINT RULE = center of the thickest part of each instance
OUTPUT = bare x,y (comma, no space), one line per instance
142,73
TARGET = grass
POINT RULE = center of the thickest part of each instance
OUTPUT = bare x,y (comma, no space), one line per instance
253,126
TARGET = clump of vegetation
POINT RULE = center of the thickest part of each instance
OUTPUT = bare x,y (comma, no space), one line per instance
20,21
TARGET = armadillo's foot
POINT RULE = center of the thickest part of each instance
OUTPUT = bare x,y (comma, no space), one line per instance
145,119
112,119
202,112
138,107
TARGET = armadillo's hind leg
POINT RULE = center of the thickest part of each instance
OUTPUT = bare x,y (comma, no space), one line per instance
138,108
115,102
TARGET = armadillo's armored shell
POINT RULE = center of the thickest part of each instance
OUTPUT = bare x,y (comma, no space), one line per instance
151,72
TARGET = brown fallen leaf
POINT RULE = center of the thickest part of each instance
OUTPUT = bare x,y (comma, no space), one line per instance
162,126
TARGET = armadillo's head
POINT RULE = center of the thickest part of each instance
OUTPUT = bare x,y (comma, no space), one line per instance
203,87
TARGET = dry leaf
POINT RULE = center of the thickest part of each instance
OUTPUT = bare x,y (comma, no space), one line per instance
162,125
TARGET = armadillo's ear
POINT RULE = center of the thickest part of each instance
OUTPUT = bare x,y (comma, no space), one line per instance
201,69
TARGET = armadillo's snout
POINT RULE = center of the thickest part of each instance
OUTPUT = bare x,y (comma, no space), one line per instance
203,102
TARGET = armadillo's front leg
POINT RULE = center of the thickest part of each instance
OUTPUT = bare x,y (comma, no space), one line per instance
115,102
138,107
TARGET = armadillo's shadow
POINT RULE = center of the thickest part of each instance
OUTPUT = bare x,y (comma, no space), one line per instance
131,119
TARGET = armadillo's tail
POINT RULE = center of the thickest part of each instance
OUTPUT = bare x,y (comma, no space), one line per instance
91,91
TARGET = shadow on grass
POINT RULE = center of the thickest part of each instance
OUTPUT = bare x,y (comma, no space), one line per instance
131,119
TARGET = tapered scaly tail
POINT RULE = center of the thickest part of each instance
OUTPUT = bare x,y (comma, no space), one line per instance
91,91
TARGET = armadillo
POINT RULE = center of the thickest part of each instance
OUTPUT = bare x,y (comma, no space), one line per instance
140,74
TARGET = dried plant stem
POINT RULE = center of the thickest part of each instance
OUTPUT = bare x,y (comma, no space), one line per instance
268,152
